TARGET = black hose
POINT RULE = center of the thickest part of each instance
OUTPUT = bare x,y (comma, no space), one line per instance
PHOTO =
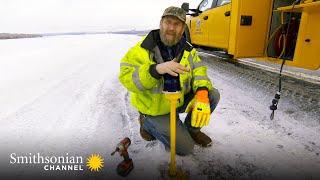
276,98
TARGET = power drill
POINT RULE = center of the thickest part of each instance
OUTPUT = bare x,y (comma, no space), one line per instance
125,166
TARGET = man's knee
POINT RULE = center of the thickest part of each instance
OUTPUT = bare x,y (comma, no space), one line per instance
215,95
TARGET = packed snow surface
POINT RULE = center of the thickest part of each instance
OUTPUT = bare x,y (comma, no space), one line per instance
61,94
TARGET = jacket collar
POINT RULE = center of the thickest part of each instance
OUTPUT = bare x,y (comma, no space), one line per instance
150,42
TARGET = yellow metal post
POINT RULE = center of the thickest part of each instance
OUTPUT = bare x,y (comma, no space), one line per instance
173,98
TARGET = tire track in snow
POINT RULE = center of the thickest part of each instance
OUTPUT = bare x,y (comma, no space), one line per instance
240,81
305,113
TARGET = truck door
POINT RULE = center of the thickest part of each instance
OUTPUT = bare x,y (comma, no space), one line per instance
249,27
199,24
219,24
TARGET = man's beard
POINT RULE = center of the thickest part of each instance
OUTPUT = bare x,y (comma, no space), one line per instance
169,42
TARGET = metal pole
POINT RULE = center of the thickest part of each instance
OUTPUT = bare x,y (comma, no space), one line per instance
173,170
173,98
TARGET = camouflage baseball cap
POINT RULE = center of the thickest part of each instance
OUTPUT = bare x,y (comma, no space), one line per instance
175,11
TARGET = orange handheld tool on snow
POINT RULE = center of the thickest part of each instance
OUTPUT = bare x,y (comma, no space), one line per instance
125,166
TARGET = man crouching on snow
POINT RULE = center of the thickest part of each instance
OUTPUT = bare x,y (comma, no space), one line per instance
161,53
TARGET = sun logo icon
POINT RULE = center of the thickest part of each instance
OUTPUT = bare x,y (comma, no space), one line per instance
94,162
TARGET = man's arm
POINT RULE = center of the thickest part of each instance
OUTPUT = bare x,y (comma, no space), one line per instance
201,80
134,70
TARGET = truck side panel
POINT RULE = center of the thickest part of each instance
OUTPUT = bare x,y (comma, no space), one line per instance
248,28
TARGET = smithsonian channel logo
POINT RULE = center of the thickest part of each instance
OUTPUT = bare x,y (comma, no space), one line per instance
65,162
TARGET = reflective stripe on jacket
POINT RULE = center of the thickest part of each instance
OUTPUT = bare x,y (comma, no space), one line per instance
146,91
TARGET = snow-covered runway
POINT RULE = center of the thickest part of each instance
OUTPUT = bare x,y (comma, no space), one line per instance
61,95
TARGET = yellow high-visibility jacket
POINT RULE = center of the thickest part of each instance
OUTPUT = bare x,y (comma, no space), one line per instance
147,89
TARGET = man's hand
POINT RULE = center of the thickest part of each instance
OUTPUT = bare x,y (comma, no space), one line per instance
200,109
171,67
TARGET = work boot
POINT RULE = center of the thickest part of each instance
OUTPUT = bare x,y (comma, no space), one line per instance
145,134
201,138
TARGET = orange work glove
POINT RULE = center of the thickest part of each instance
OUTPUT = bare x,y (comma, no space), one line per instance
200,106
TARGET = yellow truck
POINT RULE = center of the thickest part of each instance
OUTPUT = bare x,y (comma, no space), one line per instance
269,30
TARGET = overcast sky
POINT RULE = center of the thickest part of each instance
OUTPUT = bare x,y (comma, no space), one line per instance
35,16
